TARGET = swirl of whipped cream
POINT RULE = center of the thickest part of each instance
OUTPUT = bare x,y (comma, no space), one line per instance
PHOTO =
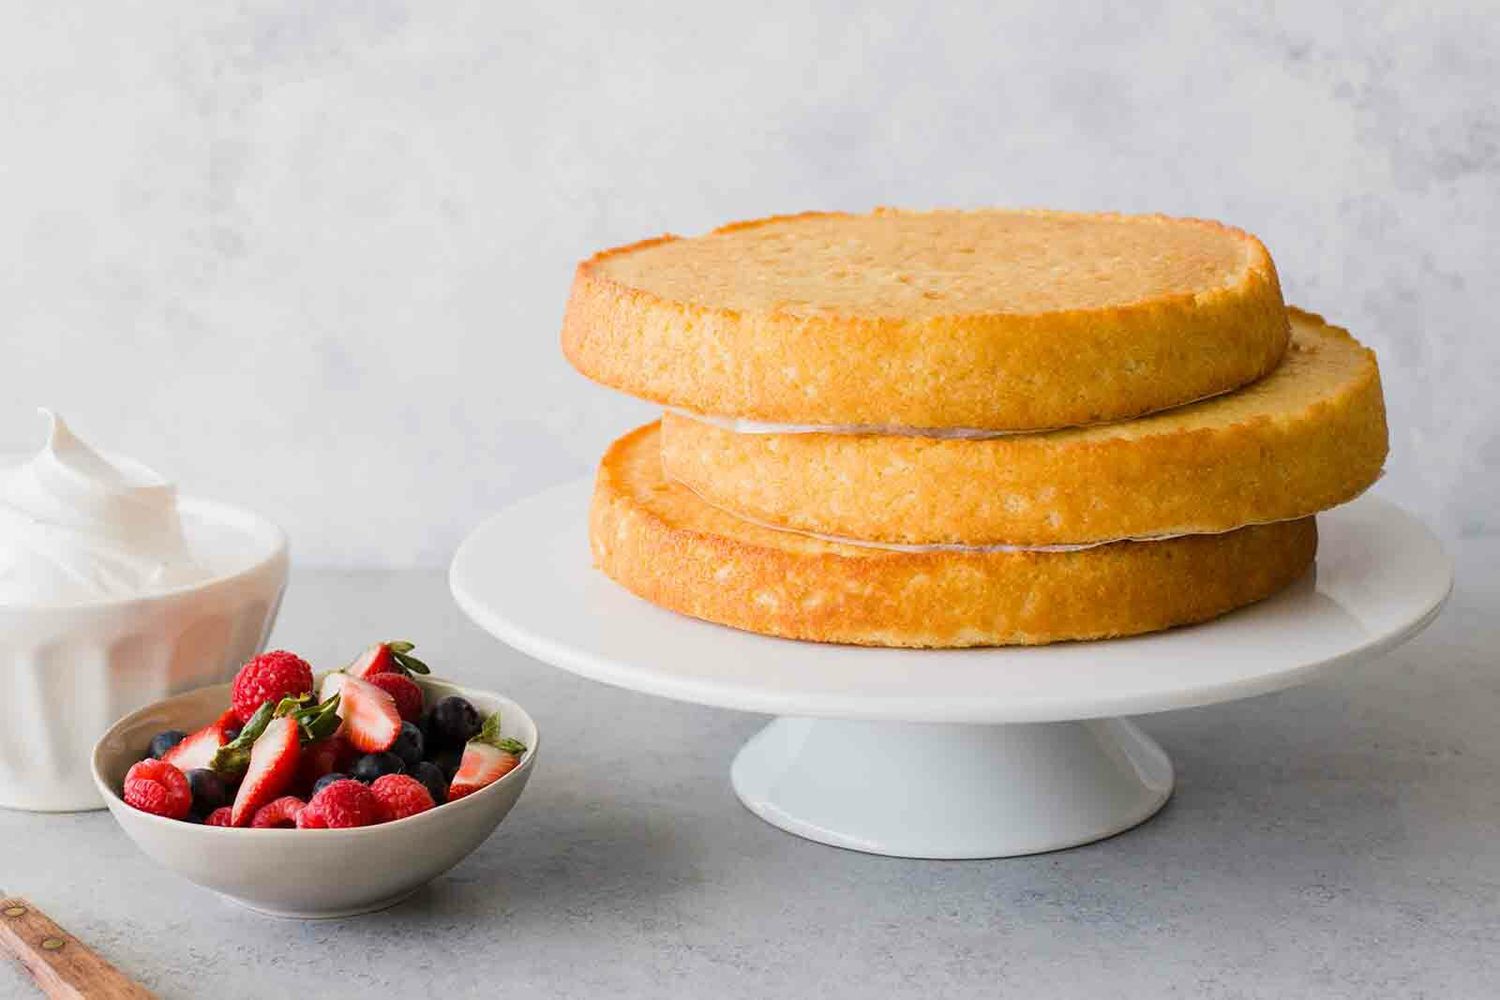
76,527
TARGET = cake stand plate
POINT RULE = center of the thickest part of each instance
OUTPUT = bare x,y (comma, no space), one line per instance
948,753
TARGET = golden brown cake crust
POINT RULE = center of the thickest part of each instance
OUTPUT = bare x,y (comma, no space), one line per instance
1006,320
1307,437
661,542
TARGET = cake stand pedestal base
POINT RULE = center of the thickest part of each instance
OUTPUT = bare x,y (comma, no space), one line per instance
938,790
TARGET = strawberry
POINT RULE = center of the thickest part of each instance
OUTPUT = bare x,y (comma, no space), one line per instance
318,759
487,758
197,750
371,720
347,755
404,690
482,765
392,657
315,722
375,660
332,684
273,765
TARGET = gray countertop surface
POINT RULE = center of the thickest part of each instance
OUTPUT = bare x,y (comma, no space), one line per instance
1341,839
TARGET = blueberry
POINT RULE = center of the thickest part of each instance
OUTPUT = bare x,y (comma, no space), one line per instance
208,789
164,741
452,723
231,734
326,780
447,761
374,765
409,745
432,776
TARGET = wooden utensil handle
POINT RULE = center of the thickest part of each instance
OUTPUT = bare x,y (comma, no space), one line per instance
59,962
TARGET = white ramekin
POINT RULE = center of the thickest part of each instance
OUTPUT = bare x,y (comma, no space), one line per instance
67,673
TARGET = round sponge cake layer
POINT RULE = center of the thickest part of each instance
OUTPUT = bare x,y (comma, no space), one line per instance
661,542
999,320
1307,437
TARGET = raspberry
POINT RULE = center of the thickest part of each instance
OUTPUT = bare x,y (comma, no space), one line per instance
311,819
347,803
219,817
154,786
401,795
404,691
269,677
280,813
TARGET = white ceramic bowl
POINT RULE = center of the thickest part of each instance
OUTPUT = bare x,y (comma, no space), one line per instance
309,873
66,673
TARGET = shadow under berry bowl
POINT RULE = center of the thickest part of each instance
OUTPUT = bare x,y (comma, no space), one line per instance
310,873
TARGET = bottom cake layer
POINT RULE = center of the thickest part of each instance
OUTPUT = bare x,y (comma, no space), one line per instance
663,543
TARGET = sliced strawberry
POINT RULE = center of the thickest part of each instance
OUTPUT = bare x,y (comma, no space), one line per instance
482,765
392,657
318,759
487,758
332,684
198,749
273,765
347,755
375,660
404,690
371,720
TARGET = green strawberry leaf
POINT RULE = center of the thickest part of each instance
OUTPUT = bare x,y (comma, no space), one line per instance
318,722
314,722
290,705
407,662
490,733
230,762
232,758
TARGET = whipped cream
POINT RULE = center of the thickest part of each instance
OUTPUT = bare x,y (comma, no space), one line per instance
76,527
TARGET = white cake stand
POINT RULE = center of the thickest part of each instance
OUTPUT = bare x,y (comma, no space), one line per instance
948,753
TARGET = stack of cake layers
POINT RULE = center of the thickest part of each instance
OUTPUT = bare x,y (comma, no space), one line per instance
966,428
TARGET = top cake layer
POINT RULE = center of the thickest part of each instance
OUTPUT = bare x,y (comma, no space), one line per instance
990,320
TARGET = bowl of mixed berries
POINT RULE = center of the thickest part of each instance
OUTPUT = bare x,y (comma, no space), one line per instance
309,796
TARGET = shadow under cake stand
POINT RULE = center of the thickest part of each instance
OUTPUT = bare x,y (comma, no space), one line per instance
974,753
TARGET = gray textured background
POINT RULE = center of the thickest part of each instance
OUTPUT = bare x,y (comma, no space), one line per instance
312,256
